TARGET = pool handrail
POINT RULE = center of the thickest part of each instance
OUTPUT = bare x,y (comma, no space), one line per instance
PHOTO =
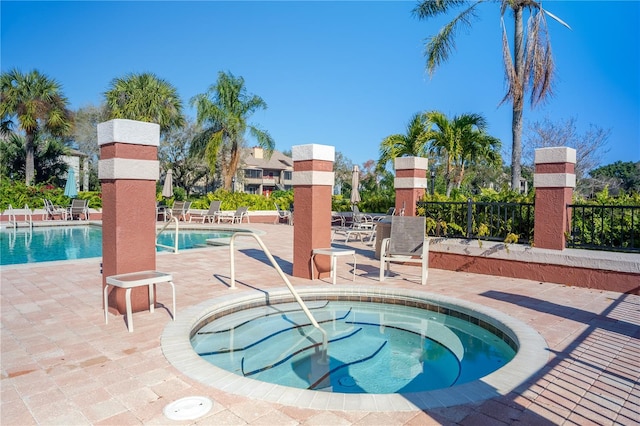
25,212
175,240
305,309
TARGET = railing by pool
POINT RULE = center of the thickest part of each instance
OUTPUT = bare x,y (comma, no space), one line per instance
305,309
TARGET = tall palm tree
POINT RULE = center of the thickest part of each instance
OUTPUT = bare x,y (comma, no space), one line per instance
459,141
39,106
223,112
529,69
411,144
145,97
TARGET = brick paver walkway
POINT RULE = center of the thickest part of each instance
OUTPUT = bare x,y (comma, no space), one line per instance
61,365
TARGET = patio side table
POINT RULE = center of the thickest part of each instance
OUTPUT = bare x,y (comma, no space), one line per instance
334,253
137,279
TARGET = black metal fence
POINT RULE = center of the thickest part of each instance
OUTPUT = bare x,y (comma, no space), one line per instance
605,227
595,227
492,221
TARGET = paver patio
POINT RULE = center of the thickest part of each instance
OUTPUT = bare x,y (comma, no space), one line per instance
62,365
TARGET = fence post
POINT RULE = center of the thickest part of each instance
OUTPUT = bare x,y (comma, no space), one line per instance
469,217
410,182
554,180
312,184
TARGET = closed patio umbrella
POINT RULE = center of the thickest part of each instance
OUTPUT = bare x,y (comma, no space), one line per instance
70,188
355,182
167,188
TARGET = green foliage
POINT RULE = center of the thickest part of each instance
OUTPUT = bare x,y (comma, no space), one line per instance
494,215
231,200
606,221
628,173
47,159
17,194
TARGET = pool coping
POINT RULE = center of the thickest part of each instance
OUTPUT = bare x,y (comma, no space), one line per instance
527,363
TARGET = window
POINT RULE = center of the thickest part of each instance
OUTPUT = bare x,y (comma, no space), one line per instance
288,175
253,173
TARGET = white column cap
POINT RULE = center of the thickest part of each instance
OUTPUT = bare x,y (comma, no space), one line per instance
313,152
128,131
408,163
561,154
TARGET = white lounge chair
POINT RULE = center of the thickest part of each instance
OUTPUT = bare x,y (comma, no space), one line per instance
79,208
180,210
211,214
51,211
407,244
237,217
283,214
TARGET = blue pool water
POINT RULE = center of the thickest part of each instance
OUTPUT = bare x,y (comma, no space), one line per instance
77,242
373,347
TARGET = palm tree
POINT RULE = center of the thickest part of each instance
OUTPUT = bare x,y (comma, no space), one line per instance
145,97
223,112
411,144
40,107
531,67
460,141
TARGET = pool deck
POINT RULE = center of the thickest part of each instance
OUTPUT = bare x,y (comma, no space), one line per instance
62,365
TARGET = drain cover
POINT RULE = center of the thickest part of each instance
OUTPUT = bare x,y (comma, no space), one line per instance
188,408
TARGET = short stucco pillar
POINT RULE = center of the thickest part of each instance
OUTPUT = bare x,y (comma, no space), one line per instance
410,183
554,180
312,185
128,170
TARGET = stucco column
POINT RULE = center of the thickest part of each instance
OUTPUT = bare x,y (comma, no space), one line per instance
312,184
554,180
128,170
410,182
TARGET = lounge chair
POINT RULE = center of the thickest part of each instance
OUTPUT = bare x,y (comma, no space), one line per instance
407,244
361,220
240,213
362,226
78,209
211,214
283,214
51,211
180,209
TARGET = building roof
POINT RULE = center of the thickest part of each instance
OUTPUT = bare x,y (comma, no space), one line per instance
254,158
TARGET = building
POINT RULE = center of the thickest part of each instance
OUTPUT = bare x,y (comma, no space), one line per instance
261,175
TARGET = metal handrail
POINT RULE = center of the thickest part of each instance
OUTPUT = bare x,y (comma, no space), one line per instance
13,213
175,244
305,309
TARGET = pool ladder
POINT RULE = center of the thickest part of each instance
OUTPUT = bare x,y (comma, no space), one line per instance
305,309
175,240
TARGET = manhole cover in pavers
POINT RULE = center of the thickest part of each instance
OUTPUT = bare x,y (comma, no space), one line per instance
188,408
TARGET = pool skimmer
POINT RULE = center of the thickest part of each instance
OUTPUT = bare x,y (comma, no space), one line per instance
188,408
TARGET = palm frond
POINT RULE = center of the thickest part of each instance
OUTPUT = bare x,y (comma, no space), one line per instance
439,47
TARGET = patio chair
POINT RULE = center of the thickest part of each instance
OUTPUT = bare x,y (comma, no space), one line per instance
407,244
211,214
52,211
361,220
78,209
180,209
283,214
240,213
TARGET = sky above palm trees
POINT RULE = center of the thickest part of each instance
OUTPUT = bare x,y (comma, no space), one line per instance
346,74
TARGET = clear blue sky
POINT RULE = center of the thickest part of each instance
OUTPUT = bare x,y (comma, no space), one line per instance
346,74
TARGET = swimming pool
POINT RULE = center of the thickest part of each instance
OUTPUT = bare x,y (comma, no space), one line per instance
45,244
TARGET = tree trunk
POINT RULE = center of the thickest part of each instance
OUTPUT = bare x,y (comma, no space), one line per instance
29,169
518,100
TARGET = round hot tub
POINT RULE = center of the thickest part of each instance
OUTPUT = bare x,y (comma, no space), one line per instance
383,350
